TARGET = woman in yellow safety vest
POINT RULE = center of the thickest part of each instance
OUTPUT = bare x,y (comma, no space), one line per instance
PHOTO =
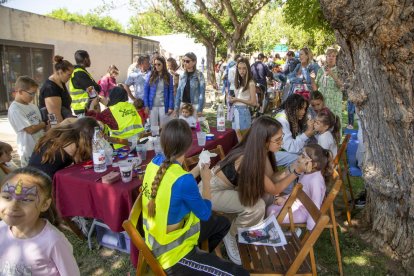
120,117
176,218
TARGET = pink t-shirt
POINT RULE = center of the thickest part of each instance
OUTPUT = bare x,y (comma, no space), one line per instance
49,253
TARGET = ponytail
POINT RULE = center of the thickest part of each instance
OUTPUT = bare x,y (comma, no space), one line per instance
155,185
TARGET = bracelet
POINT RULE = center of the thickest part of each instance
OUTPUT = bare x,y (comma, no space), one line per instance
296,173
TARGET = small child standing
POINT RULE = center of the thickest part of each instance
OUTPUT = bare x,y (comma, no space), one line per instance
25,118
327,125
6,165
30,243
187,114
320,169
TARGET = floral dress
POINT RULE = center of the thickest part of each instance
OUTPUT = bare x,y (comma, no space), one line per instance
331,92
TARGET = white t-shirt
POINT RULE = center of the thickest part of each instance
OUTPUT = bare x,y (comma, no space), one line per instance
326,141
48,253
22,116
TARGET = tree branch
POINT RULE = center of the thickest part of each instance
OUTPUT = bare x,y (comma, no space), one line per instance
212,19
246,21
231,13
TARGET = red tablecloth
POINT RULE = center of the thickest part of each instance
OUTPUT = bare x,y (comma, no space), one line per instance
77,193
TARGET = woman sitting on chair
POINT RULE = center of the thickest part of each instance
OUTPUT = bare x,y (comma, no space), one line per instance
242,182
176,218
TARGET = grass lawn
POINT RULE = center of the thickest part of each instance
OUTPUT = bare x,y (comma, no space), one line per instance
358,257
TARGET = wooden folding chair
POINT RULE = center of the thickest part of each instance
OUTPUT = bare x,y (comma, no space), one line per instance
145,255
193,160
344,173
295,258
327,207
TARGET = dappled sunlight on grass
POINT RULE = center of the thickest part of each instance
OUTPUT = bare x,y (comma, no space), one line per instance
99,271
356,260
106,252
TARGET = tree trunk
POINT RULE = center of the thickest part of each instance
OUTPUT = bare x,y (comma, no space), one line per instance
232,47
377,51
211,60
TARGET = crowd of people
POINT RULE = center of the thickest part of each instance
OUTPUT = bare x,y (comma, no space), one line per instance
296,143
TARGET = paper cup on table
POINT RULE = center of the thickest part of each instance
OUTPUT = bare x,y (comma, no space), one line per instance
126,171
142,151
201,138
155,130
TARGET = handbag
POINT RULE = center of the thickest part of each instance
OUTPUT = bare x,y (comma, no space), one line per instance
302,89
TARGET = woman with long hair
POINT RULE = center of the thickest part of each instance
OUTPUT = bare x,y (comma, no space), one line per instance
54,96
297,128
300,79
63,145
245,95
159,93
176,218
173,67
240,183
191,87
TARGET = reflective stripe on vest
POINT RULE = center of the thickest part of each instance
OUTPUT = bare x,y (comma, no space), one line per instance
168,247
79,96
281,115
128,120
158,249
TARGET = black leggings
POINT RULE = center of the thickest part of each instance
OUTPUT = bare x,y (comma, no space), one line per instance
199,262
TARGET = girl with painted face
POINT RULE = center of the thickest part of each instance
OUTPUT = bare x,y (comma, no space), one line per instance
29,240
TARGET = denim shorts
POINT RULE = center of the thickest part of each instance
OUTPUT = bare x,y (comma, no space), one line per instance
242,119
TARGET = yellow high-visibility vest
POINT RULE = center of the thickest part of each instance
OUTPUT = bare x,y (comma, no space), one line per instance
168,248
128,120
79,96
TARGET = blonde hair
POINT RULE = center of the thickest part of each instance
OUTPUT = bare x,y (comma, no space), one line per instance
187,107
331,50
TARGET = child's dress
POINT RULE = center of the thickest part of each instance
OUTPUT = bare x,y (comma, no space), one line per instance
48,253
314,187
326,141
191,120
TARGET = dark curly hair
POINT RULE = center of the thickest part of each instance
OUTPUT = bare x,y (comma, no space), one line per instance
291,106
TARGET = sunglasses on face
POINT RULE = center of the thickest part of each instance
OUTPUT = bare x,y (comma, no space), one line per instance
186,60
157,64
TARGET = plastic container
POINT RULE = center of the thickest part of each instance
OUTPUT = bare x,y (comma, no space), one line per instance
113,240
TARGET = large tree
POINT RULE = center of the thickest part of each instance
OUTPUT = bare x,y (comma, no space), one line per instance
377,41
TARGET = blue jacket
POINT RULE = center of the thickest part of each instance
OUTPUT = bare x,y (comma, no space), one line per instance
197,90
151,89
293,79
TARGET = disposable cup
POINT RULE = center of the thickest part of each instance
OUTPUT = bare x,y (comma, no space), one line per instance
142,151
126,171
155,130
201,138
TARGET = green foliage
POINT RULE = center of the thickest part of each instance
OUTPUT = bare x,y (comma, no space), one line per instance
90,19
148,24
271,25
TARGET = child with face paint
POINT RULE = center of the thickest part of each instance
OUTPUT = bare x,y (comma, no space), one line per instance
29,241
319,168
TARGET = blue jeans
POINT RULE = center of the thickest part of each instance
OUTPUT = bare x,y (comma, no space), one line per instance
242,119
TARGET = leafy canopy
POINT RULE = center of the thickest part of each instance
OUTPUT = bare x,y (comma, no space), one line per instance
90,19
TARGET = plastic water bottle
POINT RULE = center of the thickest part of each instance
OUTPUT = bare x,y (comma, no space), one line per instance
98,151
221,123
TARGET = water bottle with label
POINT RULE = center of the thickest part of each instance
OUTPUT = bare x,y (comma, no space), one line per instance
98,151
221,123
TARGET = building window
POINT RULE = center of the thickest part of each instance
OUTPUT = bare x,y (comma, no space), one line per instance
18,59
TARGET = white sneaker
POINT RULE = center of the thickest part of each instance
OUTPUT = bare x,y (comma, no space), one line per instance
232,249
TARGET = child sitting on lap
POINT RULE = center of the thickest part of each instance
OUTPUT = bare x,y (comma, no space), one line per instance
319,163
30,243
186,113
